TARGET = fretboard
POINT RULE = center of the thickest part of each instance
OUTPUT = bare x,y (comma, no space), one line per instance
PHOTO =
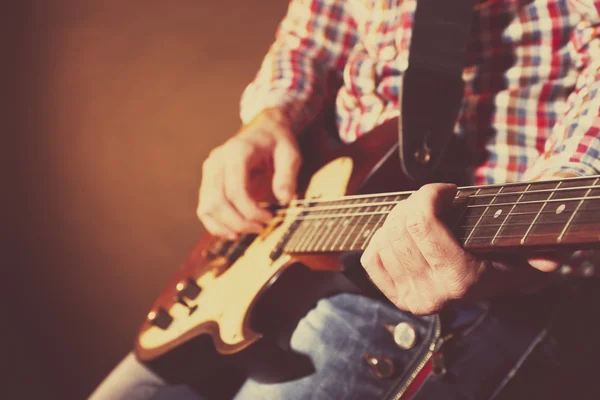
536,214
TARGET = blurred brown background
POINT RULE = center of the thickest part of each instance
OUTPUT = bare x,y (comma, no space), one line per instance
108,111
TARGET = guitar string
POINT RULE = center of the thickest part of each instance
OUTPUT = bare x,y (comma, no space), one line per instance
409,192
473,237
325,216
593,220
309,207
479,237
534,235
513,236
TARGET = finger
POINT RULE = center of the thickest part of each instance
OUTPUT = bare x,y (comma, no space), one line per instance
213,203
373,265
286,163
435,241
228,216
217,229
401,256
237,178
414,284
544,264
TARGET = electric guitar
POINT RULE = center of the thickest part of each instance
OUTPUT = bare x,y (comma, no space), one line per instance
229,311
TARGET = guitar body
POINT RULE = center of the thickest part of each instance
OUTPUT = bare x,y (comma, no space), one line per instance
220,320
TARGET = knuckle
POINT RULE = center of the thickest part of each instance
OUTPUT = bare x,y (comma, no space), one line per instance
378,240
202,214
430,196
419,224
430,189
240,147
366,259
208,207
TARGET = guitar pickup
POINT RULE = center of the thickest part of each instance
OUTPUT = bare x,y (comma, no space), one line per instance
239,247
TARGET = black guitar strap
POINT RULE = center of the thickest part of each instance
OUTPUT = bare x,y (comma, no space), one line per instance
432,88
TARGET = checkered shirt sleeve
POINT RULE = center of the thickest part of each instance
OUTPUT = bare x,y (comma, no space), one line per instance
313,40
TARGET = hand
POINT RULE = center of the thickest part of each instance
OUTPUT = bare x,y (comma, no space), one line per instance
416,261
263,159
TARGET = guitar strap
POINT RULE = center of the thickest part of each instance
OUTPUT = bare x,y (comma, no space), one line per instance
432,88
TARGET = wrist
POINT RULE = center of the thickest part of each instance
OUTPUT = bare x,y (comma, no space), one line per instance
278,116
275,116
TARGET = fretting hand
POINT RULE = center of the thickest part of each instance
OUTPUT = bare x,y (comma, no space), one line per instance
416,261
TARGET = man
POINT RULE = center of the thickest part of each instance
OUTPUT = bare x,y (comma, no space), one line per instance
530,111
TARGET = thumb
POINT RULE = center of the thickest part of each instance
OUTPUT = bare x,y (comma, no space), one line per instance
286,163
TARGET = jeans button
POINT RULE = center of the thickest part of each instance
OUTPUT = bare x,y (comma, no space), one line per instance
381,366
404,335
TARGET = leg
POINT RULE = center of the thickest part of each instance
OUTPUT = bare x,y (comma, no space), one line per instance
130,380
336,335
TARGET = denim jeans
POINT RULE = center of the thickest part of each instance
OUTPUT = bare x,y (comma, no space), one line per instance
341,330
336,335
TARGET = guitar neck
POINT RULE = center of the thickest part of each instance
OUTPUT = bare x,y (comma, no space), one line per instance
540,215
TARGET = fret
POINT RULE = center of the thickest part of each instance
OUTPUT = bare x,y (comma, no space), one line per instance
587,193
585,225
539,212
558,214
363,220
456,220
344,224
496,215
310,225
507,215
334,224
485,203
522,213
356,221
374,222
299,234
319,225
368,235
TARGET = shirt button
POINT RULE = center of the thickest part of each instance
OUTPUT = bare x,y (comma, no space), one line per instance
404,334
388,53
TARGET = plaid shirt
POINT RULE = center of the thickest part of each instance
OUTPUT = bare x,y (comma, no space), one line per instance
531,101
